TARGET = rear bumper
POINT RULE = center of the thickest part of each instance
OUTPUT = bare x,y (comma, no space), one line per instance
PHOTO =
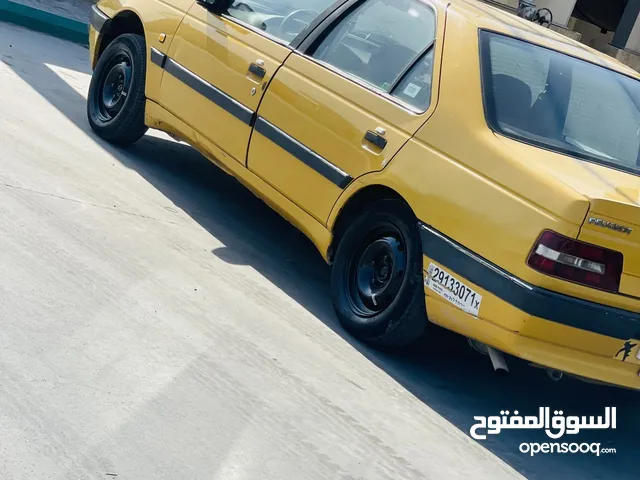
544,327
547,354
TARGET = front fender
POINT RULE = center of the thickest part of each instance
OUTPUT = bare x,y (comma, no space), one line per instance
160,21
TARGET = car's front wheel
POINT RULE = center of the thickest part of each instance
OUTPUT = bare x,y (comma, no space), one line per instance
115,105
376,280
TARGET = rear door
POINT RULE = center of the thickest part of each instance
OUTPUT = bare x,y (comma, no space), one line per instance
218,66
346,101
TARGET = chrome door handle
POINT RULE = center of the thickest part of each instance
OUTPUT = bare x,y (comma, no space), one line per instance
376,138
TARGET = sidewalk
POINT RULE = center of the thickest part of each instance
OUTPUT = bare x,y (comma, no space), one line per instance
73,9
66,19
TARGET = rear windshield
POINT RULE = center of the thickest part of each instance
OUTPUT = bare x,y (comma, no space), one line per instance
561,103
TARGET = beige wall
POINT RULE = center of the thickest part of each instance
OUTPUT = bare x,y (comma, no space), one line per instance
510,3
592,36
633,43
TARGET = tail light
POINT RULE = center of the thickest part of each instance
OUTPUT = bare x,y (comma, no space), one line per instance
579,262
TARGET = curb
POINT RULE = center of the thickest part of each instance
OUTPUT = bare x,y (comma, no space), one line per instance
50,23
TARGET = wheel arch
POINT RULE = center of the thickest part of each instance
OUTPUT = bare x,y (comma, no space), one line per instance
126,21
354,203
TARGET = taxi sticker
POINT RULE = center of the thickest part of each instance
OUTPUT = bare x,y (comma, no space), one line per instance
412,90
452,289
629,352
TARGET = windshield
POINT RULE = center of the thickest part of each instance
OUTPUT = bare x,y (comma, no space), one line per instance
561,103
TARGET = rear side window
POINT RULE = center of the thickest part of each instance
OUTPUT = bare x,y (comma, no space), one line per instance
388,44
560,102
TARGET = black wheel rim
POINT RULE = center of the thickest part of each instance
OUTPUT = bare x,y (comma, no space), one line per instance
114,87
376,270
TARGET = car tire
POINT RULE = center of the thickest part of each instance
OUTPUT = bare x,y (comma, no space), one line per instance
376,279
116,100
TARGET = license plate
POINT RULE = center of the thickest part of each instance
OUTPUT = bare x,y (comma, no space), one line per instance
452,289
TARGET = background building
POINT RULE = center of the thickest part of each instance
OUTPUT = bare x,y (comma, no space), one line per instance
611,26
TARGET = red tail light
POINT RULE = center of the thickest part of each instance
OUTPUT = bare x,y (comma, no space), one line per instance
579,262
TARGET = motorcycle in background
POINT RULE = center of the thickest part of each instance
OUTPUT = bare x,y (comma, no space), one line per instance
527,9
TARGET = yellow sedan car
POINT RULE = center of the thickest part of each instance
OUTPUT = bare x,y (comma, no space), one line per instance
443,156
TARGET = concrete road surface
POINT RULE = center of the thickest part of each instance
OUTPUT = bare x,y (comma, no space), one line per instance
157,321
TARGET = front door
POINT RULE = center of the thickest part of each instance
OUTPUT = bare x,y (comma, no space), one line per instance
218,66
345,102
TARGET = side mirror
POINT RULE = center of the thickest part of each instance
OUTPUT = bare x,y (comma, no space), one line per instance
216,6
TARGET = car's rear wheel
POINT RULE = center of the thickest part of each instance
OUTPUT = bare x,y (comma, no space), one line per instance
376,280
115,105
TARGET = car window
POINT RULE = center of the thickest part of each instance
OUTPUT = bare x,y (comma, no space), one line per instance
379,41
510,60
617,137
282,19
561,102
415,87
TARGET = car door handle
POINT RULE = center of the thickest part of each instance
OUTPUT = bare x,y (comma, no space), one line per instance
375,138
257,70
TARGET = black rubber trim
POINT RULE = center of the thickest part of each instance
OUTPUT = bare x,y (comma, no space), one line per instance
98,18
302,153
158,57
210,92
378,140
309,29
539,302
324,25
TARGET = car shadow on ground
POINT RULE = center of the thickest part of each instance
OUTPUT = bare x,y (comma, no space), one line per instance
442,371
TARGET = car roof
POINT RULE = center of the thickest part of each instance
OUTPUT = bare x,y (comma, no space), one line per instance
485,16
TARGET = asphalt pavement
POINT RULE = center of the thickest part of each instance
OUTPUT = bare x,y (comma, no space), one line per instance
158,321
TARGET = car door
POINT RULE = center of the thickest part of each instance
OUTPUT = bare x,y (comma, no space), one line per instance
346,101
218,66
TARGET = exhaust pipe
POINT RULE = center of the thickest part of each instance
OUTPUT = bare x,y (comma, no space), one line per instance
497,360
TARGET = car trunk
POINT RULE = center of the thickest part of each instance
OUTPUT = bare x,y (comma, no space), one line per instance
614,199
